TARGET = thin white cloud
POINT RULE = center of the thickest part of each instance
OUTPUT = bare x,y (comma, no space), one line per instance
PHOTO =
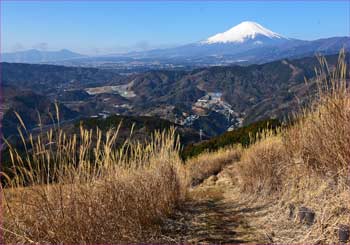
41,46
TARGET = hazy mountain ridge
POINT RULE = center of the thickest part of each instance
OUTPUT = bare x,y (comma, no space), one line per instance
29,105
47,77
39,56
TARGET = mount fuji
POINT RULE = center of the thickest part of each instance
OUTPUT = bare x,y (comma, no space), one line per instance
246,31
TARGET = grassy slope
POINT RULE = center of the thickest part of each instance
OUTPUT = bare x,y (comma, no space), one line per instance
306,165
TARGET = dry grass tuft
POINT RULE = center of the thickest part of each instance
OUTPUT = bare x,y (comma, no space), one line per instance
261,166
322,139
81,189
211,163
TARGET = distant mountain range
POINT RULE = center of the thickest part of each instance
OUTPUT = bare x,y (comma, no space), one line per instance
248,42
37,56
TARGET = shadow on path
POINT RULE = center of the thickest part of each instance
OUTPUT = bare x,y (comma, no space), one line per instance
207,217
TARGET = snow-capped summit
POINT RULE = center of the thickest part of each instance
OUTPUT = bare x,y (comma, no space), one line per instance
242,32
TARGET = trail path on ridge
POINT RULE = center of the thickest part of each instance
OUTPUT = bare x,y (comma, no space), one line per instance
214,214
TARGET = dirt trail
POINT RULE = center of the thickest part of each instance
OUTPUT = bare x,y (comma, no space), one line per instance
213,215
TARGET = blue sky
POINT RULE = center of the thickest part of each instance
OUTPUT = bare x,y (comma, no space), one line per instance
97,27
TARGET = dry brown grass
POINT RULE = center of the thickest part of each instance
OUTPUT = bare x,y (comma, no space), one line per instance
307,165
322,139
99,194
319,143
261,166
211,163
